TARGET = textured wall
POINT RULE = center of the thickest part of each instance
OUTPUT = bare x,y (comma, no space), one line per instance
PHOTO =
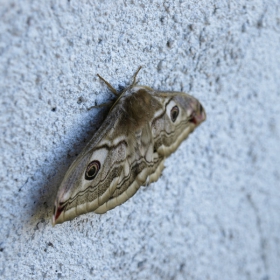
214,213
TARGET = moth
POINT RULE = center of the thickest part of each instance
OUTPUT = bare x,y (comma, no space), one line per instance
142,128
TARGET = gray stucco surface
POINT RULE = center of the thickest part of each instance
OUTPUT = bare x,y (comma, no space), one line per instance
215,211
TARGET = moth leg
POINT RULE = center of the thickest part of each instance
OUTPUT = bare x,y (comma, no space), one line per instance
113,90
107,104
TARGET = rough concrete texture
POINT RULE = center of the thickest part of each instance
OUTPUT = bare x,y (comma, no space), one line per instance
214,213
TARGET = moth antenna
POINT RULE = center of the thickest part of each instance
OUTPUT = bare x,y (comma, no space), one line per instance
135,75
113,90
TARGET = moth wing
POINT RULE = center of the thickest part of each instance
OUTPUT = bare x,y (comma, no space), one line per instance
115,163
127,151
141,165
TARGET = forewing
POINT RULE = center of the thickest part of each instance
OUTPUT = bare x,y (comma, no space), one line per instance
140,162
122,153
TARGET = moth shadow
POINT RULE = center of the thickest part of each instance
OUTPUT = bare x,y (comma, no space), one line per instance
47,178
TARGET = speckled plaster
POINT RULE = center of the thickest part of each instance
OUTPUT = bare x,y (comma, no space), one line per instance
214,213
